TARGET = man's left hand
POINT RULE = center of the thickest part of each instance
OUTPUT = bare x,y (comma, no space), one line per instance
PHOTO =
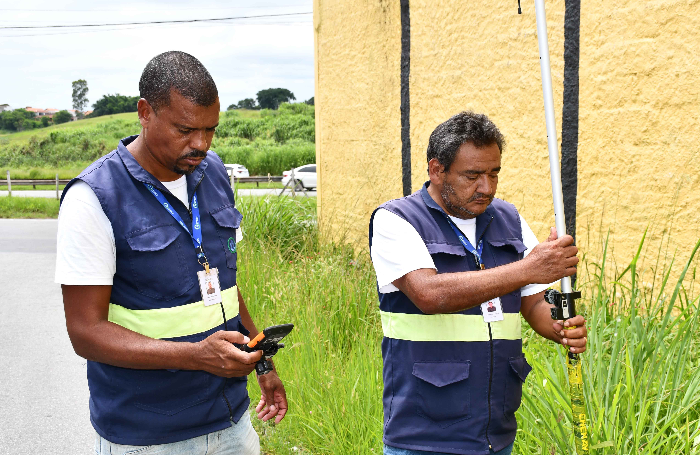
574,339
273,401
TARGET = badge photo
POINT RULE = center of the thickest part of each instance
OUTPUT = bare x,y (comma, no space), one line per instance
492,310
209,286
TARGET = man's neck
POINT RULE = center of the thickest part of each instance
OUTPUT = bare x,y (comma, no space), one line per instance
139,150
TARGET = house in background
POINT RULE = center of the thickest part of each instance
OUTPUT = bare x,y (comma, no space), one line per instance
38,112
4,107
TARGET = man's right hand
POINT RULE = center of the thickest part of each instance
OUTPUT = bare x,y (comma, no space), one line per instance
217,355
553,259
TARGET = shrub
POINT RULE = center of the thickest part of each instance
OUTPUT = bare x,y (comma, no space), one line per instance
62,117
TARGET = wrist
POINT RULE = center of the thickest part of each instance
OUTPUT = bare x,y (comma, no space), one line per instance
526,271
193,353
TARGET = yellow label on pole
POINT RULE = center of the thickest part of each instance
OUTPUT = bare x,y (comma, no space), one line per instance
578,405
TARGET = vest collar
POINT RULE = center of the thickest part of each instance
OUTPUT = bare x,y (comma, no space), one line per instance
142,175
482,221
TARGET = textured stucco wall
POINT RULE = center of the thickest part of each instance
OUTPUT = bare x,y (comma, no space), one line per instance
639,128
358,144
639,138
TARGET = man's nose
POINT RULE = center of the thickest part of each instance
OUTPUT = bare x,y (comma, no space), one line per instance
198,140
485,185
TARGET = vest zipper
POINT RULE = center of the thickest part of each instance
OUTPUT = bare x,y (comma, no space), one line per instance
490,381
228,405
488,422
190,196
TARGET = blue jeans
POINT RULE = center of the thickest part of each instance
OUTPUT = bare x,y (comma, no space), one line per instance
241,439
389,450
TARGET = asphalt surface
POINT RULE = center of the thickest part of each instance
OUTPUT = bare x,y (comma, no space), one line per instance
43,385
242,192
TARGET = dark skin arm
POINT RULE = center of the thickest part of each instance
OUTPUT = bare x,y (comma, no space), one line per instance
271,387
95,338
435,293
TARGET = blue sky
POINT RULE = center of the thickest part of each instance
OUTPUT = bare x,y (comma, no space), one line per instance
37,66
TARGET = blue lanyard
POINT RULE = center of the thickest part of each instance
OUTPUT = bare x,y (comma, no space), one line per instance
467,244
196,233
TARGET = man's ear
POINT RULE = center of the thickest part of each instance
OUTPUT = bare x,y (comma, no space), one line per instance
436,172
145,111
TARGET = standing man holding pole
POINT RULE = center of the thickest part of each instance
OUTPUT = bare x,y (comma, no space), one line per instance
444,256
144,234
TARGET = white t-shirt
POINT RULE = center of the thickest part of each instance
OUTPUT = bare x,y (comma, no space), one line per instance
398,249
86,252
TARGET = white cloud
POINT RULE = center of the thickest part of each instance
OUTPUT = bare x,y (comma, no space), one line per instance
243,56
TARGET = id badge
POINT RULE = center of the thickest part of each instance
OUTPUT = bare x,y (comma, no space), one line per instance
209,286
492,310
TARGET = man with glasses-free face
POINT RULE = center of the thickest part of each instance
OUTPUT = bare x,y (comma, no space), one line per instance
456,268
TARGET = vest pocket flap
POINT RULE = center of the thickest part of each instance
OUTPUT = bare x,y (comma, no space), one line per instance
227,216
441,374
446,248
153,239
515,243
520,367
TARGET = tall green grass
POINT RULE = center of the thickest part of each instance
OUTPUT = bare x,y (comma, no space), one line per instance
262,157
332,363
641,370
28,207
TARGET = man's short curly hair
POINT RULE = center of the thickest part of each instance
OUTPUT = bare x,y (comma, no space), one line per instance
459,129
180,71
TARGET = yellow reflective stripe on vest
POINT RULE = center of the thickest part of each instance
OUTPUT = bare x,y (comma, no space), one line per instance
449,327
178,321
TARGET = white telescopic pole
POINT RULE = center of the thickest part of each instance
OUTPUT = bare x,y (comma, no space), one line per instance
554,167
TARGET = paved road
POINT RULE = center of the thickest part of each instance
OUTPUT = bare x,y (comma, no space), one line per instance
243,192
43,387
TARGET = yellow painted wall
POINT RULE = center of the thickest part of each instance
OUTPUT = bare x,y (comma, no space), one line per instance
358,46
639,127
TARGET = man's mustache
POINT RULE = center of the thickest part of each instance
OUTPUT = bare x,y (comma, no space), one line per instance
476,196
194,154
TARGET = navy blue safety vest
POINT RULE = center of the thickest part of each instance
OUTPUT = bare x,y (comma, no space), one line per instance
452,382
156,293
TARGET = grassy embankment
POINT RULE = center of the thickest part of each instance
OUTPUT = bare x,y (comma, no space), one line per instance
642,369
266,142
28,207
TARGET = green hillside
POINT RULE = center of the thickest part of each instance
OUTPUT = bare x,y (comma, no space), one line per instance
266,142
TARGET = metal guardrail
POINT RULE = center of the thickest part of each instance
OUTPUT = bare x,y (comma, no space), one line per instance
36,182
259,179
254,179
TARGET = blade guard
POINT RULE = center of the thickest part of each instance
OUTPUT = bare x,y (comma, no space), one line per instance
264,365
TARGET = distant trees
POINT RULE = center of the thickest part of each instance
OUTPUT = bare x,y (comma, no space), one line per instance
62,117
114,104
18,120
80,90
248,103
271,98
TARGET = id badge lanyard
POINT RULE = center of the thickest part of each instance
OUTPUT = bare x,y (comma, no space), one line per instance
196,232
476,252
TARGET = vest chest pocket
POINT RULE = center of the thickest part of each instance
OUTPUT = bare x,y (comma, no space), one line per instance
518,371
227,220
443,391
158,262
511,248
